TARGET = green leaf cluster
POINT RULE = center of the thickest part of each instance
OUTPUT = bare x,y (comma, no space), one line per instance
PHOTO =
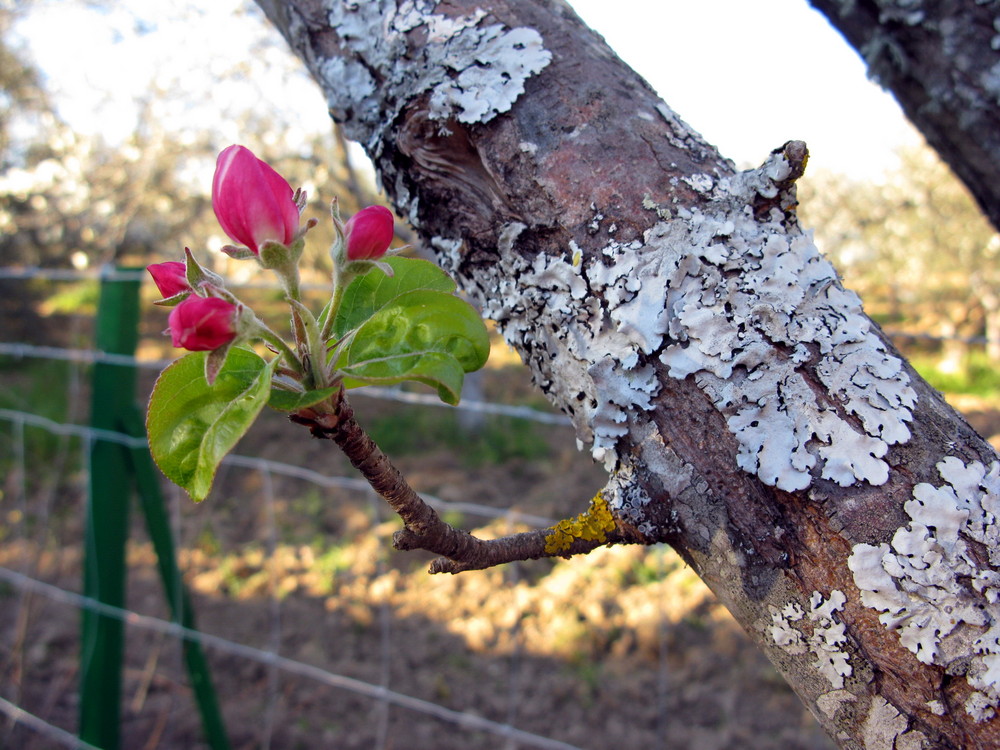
408,326
388,329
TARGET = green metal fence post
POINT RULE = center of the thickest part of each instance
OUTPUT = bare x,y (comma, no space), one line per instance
158,525
114,470
102,643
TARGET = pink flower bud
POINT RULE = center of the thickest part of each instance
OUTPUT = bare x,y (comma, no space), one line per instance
252,202
170,277
201,324
369,233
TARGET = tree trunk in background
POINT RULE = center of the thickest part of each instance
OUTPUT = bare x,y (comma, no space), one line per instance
748,412
941,60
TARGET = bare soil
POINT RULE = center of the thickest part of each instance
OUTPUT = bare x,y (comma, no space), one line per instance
622,648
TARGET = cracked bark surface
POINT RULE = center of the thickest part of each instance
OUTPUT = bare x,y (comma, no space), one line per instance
589,136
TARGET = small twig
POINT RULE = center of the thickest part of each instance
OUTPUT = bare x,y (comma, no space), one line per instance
423,527
796,154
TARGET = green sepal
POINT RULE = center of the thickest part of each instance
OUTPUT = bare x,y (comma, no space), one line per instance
238,252
197,274
274,255
279,257
192,425
174,300
215,361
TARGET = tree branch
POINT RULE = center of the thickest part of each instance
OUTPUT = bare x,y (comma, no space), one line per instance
423,527
749,412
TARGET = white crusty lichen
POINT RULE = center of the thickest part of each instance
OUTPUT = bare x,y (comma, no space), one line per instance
824,638
762,306
929,585
744,305
883,726
626,496
783,632
936,707
830,702
594,315
497,63
909,12
471,68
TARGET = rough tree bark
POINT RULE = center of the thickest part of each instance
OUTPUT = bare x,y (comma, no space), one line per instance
941,60
748,412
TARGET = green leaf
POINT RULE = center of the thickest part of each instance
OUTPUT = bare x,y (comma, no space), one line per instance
192,425
426,335
294,400
369,293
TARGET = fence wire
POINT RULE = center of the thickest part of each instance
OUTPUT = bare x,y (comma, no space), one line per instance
20,716
269,466
91,356
383,686
269,657
463,719
27,273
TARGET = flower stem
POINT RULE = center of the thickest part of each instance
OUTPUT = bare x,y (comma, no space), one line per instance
278,343
308,329
341,281
290,280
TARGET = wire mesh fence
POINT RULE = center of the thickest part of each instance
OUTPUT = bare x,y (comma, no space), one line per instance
317,634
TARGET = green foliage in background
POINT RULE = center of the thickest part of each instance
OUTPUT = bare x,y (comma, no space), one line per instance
26,385
914,246
976,375
410,430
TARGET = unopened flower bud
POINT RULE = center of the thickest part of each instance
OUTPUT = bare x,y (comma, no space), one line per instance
201,324
368,233
252,202
170,277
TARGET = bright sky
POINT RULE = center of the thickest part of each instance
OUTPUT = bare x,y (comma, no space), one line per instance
751,75
103,61
748,75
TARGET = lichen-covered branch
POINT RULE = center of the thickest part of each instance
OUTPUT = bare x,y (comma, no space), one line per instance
747,410
423,527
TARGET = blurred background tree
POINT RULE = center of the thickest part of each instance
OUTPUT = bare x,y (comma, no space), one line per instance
919,252
139,191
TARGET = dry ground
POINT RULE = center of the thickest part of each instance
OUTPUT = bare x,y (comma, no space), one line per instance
624,648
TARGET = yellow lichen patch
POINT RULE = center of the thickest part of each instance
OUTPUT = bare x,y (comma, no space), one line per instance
591,525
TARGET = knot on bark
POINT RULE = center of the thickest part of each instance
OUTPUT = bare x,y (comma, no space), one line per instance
326,419
777,176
